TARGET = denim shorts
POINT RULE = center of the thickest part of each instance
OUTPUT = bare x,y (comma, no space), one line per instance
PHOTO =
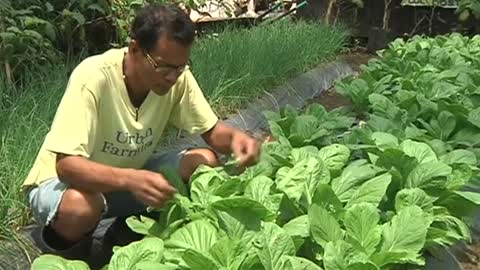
45,199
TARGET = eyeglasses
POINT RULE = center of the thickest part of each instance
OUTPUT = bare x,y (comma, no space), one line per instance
165,69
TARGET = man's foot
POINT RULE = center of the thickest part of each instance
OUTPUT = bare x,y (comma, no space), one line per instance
49,242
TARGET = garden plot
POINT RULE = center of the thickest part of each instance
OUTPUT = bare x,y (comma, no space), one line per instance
224,65
333,192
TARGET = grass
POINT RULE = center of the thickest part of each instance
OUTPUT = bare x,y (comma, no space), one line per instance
241,64
25,119
231,68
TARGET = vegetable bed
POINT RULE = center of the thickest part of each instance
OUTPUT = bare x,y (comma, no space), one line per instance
379,187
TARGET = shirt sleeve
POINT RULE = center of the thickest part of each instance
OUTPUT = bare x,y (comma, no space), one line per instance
192,112
74,125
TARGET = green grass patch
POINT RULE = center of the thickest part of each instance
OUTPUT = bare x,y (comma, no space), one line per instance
241,63
231,68
25,119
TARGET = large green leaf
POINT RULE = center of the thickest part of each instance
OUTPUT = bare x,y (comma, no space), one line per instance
334,156
316,110
426,174
299,263
199,235
298,226
326,198
371,191
340,255
199,260
299,229
421,151
144,225
147,265
473,197
414,196
447,230
52,262
300,153
247,211
237,227
362,229
394,158
302,129
446,123
274,243
320,177
77,16
172,176
460,176
127,257
204,182
403,237
474,117
258,189
460,203
228,253
459,156
324,227
469,136
382,106
277,131
292,181
352,176
384,140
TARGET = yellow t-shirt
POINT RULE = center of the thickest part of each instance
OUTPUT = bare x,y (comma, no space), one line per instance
97,120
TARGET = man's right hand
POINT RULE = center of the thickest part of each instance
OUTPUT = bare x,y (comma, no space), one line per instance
150,188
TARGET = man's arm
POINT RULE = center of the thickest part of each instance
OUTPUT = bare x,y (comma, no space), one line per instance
149,187
84,174
226,139
220,137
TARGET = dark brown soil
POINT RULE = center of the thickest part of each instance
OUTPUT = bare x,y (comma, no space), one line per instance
470,257
330,99
357,57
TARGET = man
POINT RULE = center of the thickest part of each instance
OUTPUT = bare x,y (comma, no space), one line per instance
98,159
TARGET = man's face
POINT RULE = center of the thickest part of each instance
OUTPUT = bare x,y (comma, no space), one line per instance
161,67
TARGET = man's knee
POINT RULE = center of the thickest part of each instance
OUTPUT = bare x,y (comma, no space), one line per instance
79,212
194,158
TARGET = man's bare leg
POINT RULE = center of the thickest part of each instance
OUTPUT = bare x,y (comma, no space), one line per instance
78,214
194,158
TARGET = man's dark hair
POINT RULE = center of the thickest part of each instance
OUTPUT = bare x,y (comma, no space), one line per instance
154,20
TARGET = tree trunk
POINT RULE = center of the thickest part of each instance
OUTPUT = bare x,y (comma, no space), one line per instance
386,15
8,68
331,4
337,13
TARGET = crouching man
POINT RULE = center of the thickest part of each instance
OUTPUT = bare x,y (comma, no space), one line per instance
98,159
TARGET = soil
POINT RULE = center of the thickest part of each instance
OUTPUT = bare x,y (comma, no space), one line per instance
469,256
472,260
357,57
330,99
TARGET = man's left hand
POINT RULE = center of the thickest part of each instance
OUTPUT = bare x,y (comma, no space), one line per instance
245,148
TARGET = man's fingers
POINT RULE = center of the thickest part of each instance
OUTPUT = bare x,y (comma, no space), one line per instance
253,150
249,156
149,200
162,185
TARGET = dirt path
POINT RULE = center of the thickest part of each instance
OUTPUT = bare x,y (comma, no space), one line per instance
330,99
